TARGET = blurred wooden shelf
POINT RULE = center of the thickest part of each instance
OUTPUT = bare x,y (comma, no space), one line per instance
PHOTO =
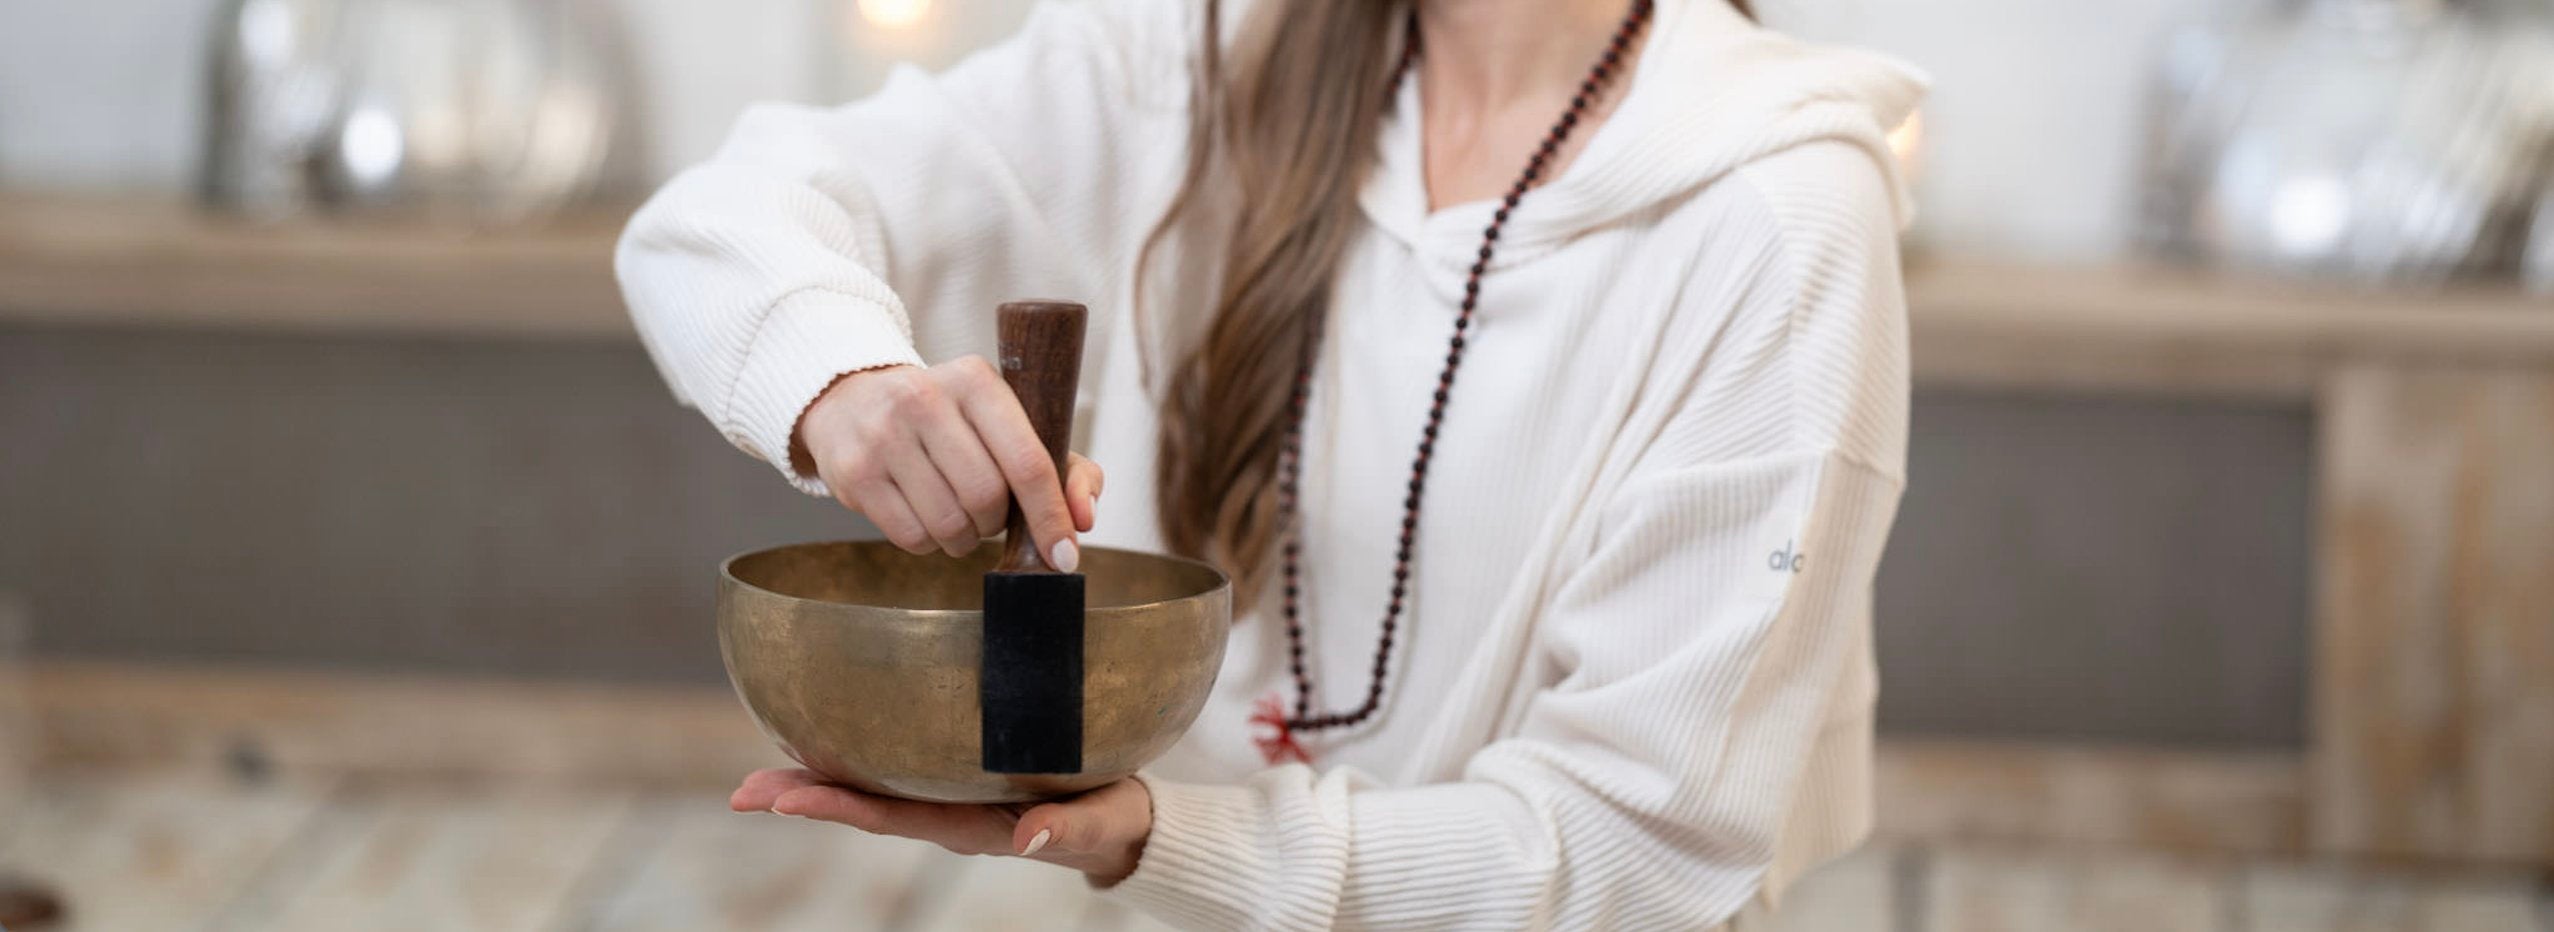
1975,323
316,725
2151,328
119,262
304,724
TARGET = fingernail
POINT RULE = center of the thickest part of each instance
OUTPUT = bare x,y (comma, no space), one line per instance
1067,557
1037,841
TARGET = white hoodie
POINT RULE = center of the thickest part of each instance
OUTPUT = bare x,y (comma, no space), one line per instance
1634,685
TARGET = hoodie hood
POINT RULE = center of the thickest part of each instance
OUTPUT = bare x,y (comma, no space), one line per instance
1712,91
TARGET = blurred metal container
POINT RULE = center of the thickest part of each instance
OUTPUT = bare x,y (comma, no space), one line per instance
273,92
484,111
2394,141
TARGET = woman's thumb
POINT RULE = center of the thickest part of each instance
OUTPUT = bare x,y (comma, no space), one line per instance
1041,829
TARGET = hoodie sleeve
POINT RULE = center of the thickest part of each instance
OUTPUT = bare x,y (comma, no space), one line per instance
823,241
1702,645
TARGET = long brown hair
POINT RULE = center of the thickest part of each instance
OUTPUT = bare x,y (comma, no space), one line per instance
1290,127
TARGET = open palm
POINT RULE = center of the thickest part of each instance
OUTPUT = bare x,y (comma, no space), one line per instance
1100,833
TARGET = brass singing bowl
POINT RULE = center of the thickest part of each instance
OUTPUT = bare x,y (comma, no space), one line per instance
860,661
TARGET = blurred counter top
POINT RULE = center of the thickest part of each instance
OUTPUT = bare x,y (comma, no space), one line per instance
134,262
1981,323
2158,329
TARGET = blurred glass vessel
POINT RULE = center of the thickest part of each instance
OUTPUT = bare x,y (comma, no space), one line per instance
488,111
2393,141
273,92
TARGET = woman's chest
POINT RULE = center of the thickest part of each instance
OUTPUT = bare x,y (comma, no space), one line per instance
1532,408
1495,469
1482,427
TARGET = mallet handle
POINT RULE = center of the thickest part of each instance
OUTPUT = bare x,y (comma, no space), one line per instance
1041,359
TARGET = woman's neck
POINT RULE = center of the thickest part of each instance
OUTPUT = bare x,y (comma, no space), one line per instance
1486,55
1494,74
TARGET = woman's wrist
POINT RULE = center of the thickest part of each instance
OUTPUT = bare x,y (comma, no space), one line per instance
802,460
1119,864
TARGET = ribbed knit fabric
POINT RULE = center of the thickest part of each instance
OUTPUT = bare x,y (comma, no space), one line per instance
1634,685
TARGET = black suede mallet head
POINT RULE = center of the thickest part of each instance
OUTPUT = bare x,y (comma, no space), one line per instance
1030,684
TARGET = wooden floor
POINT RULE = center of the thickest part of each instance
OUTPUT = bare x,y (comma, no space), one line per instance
136,853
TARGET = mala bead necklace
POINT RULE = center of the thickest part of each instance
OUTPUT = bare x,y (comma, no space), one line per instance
1277,740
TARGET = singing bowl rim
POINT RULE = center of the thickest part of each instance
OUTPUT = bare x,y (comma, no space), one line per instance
727,573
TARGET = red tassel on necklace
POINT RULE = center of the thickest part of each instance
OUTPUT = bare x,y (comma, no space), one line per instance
1274,735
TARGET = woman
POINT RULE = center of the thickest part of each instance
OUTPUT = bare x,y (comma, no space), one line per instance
1623,276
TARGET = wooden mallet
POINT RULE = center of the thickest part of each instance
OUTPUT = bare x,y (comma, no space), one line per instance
1030,682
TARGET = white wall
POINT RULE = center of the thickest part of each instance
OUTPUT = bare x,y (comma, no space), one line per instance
2034,120
2032,123
701,61
100,93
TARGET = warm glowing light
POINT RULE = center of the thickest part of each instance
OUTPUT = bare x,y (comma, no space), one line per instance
1907,141
894,14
